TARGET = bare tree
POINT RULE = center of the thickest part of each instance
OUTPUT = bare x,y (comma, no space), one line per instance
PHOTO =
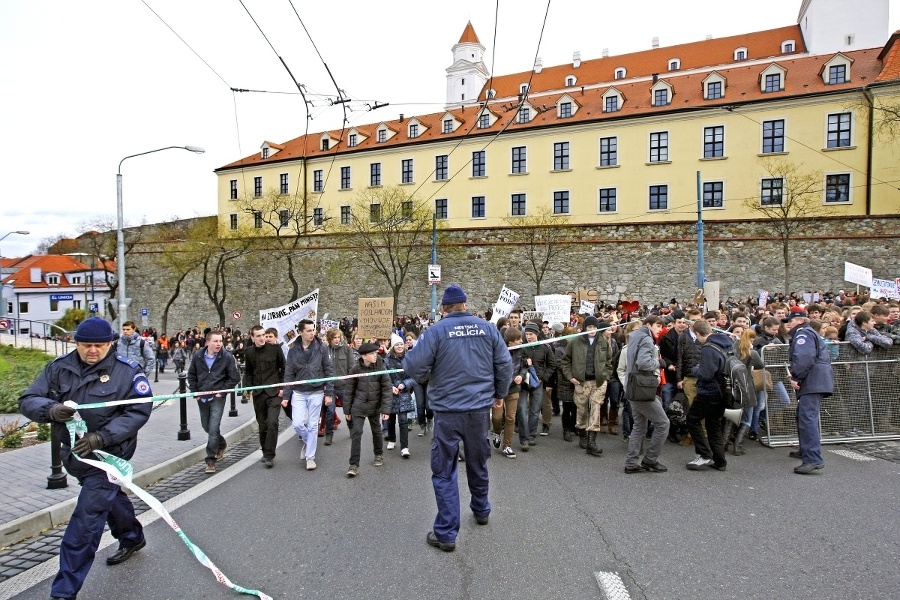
791,199
98,239
541,237
47,244
215,255
176,238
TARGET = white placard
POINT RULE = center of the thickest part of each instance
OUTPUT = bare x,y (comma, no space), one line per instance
285,318
587,308
857,274
711,291
556,308
505,303
884,288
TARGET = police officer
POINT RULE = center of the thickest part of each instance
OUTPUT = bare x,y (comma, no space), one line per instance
92,373
812,379
470,369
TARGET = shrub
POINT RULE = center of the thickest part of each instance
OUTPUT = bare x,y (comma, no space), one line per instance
12,435
43,432
24,365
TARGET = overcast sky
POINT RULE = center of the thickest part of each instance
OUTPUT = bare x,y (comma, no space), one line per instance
84,84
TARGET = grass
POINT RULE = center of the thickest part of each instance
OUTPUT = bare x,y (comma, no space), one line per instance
18,369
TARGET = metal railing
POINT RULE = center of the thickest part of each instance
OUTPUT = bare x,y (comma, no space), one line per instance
43,336
865,405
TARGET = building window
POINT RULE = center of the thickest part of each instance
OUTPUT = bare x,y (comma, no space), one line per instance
232,221
713,194
284,217
52,279
561,203
478,207
382,135
478,163
484,121
714,142
523,89
317,181
257,186
374,213
519,160
787,47
283,186
23,308
837,74
406,170
839,130
76,280
345,178
771,191
406,209
713,90
351,140
740,54
441,167
560,156
837,188
257,219
374,174
318,216
325,144
674,64
659,197
773,83
440,208
265,153
773,136
607,201
448,125
620,74
609,155
345,215
413,131
517,207
570,81
659,146
233,190
54,305
611,104
660,97
524,114
76,304
565,110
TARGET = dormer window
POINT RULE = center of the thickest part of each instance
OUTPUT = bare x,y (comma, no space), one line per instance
612,100
674,64
772,83
523,89
570,81
381,136
484,120
413,131
325,144
524,114
265,153
620,73
52,279
772,79
740,54
713,87
448,126
837,74
788,46
660,97
565,110
351,140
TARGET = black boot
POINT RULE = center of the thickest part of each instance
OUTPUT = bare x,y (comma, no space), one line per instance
726,435
567,435
582,443
592,448
739,440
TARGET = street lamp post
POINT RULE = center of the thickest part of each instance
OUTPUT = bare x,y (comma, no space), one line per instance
120,225
2,300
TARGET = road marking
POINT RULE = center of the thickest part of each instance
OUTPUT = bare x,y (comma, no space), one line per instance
853,455
612,585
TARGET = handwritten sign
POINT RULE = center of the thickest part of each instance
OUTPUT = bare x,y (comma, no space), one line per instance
555,307
505,303
376,318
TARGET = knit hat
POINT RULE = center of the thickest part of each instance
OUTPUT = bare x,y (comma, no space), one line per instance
591,320
533,328
368,347
557,327
94,330
453,295
604,325
396,339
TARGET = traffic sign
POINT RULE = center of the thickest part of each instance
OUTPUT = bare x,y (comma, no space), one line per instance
145,312
5,324
434,274
236,315
94,307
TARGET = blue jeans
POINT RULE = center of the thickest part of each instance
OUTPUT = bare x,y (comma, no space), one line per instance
100,502
211,420
750,416
306,409
529,413
451,428
667,393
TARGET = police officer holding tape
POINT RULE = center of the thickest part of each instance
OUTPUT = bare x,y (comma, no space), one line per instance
470,369
92,373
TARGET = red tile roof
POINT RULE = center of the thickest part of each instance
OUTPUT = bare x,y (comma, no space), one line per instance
468,35
890,55
47,263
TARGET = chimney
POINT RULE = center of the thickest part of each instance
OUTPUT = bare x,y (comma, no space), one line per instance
655,42
576,59
538,64
655,77
709,36
605,52
401,117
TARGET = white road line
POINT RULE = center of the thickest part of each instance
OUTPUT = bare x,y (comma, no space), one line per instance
852,454
612,585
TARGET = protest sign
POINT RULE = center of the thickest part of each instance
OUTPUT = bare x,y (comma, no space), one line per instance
286,318
505,303
376,318
555,307
587,308
884,288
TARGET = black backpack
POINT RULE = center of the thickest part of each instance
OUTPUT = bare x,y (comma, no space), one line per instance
737,387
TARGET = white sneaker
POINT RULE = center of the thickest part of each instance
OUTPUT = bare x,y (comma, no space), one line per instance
404,452
310,464
509,452
390,445
699,463
302,451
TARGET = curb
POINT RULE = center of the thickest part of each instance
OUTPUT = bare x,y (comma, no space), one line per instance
33,524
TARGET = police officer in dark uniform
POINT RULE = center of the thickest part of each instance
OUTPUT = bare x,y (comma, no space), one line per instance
92,373
813,380
470,369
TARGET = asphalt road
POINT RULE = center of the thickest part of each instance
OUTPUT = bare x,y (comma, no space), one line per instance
559,516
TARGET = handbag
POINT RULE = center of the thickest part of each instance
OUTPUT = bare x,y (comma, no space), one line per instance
532,381
762,380
642,386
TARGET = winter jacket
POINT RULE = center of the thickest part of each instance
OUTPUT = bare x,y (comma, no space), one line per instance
222,375
543,360
137,349
520,368
263,366
810,362
688,355
565,391
342,358
402,402
668,348
312,363
641,356
467,362
866,341
574,361
370,395
710,370
112,378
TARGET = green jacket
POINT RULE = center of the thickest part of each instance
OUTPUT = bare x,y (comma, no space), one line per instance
575,358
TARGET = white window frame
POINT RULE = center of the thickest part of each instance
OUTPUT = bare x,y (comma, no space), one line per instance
825,177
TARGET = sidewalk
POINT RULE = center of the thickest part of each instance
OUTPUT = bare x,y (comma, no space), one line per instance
27,507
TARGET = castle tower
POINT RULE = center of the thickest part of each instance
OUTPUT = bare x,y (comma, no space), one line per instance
468,73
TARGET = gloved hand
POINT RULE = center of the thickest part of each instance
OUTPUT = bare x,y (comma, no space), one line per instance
61,413
87,444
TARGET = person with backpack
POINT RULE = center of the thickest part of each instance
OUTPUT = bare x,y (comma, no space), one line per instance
132,345
709,405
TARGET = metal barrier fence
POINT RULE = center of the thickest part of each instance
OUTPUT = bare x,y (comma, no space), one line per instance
40,336
865,405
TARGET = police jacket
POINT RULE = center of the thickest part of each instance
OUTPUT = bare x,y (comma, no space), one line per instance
574,361
311,363
264,366
222,375
112,378
468,362
368,395
810,362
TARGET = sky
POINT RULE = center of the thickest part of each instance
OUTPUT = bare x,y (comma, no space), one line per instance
85,84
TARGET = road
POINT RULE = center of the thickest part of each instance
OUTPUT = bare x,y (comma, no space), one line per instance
559,517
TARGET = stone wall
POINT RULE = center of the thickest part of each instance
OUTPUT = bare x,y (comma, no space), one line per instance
644,262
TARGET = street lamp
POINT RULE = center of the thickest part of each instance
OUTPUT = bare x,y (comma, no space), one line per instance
2,299
120,233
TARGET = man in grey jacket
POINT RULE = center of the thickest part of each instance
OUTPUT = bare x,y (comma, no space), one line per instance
131,345
643,357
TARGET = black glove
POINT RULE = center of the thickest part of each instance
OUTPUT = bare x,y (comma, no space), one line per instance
61,413
87,444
